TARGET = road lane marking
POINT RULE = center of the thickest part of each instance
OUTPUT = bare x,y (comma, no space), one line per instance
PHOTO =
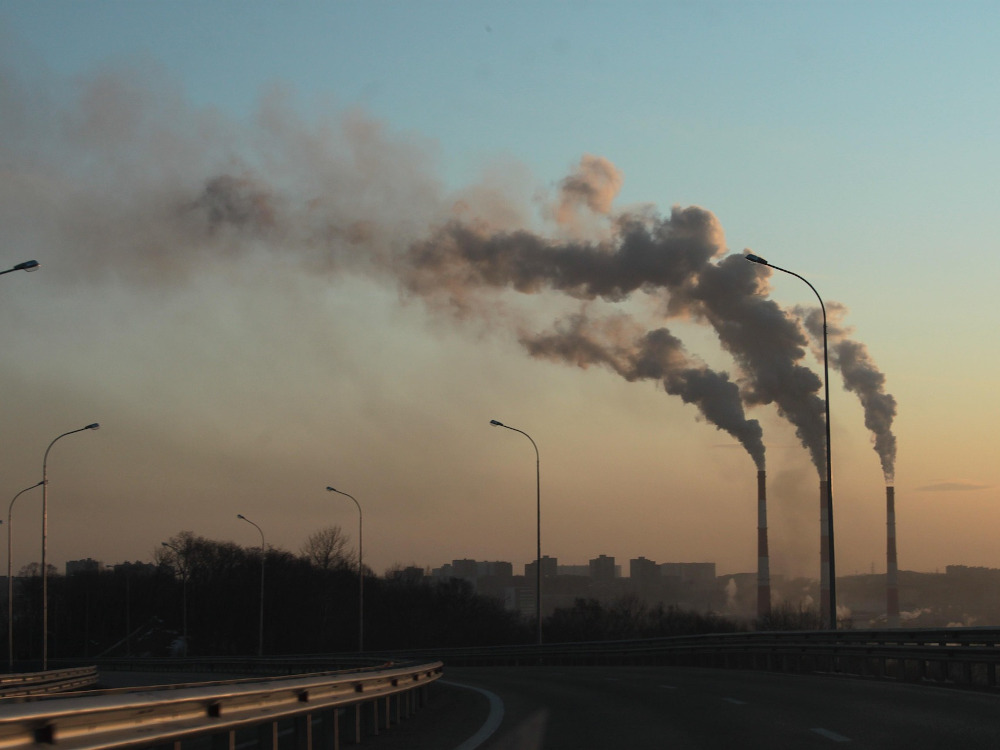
493,719
735,702
831,735
668,687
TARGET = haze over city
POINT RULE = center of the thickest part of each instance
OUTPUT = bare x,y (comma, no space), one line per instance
287,247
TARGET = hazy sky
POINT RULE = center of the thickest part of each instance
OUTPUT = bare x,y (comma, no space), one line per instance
250,219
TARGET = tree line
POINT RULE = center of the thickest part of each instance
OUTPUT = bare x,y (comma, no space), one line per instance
202,597
210,591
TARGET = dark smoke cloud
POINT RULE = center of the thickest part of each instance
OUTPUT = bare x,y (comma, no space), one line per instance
237,202
146,188
620,344
673,259
130,182
767,343
667,254
862,377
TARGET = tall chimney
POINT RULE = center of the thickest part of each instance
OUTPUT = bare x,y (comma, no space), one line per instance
891,570
763,559
824,553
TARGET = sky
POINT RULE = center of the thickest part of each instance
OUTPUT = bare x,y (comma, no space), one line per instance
289,246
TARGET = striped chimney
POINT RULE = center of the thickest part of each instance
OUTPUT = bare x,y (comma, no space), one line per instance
824,553
891,570
763,559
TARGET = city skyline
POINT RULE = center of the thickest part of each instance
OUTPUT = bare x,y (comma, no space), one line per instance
233,238
571,567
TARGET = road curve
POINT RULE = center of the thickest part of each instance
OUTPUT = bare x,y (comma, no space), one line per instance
706,709
634,708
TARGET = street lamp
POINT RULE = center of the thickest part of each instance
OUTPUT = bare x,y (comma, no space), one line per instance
361,572
45,531
263,552
832,567
184,591
28,265
538,504
10,583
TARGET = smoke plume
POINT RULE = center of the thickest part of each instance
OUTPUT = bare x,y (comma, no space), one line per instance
620,344
672,259
150,189
862,377
767,343
589,191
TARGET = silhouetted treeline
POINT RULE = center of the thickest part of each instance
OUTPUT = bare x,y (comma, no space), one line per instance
210,591
630,617
310,606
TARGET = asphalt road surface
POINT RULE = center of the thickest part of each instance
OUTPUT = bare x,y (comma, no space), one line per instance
705,709
640,708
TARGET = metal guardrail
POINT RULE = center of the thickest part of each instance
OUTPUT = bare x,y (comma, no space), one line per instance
313,704
249,665
52,681
968,657
143,718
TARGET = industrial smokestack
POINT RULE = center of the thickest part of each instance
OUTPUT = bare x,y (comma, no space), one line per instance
891,571
763,559
824,553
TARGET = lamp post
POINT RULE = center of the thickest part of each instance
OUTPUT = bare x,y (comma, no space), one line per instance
263,552
184,592
361,572
538,523
28,265
10,582
832,623
45,528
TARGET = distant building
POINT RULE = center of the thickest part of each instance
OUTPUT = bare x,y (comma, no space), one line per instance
464,569
641,570
87,565
473,570
698,574
136,568
520,599
496,569
602,568
550,568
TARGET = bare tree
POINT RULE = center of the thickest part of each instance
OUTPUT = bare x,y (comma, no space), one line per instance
327,549
34,569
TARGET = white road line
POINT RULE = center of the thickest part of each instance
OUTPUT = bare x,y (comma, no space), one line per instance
668,687
492,722
735,702
832,735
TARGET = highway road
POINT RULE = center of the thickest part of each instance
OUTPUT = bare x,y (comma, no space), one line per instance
635,708
535,708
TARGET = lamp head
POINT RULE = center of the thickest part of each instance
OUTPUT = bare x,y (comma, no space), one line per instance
756,259
28,265
240,515
497,423
331,489
94,426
